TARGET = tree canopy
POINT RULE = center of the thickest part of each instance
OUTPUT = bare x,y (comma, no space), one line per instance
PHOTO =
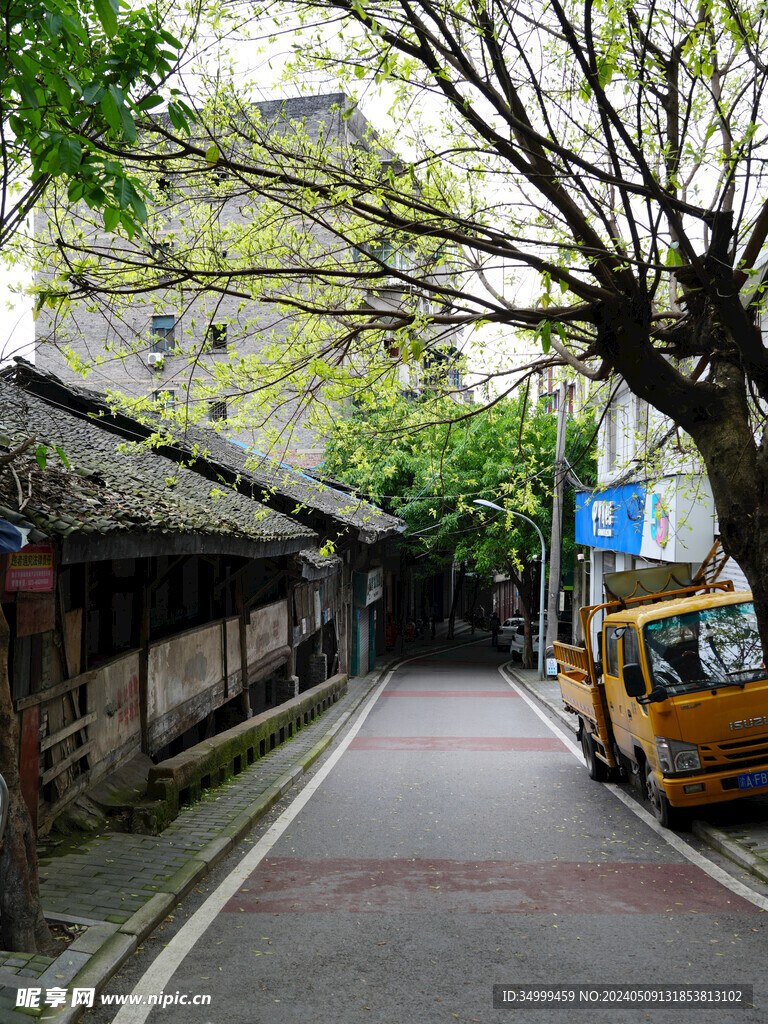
77,74
431,475
591,175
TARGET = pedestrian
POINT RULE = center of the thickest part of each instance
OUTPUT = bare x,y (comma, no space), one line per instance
495,625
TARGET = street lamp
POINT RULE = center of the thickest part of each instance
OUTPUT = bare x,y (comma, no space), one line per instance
509,512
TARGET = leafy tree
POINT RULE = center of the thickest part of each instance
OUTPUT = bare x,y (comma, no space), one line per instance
77,75
430,475
589,174
76,78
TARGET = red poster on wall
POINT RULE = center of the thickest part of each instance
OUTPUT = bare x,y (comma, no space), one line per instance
30,569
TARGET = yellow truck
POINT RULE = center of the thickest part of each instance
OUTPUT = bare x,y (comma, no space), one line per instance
677,698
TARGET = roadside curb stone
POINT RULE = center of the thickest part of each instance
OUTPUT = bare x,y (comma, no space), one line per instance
731,849
150,915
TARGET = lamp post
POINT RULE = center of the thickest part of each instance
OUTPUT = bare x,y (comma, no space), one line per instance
507,511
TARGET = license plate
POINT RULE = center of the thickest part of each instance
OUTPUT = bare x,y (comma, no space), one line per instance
753,780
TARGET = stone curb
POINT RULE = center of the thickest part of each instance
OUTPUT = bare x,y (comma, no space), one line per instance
106,961
145,920
111,954
719,841
709,834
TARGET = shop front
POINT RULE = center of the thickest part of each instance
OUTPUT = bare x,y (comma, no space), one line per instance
367,590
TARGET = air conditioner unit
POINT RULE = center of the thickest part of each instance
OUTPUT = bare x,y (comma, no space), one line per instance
155,360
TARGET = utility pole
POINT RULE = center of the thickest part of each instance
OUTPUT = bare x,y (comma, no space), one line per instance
556,544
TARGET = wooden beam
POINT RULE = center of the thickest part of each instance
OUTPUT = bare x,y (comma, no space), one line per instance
144,660
54,691
240,605
61,766
73,727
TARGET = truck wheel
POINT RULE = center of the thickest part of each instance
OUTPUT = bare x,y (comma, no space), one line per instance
666,815
596,768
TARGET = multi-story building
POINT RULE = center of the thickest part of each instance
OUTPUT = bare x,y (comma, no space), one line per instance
170,339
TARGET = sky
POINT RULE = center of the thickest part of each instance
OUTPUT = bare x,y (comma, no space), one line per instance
16,326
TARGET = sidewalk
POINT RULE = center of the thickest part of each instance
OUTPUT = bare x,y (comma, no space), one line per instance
738,829
118,886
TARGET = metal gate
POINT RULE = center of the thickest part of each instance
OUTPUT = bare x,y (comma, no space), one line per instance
360,653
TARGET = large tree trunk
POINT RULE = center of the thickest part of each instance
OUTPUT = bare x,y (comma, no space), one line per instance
737,467
21,914
716,414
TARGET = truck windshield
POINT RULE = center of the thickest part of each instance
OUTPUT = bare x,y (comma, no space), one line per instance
712,647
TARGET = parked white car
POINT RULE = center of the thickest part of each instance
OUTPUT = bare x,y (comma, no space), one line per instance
512,635
508,633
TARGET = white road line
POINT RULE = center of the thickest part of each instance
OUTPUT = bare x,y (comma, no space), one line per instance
696,858
160,972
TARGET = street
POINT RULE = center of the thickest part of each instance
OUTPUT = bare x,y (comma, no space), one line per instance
451,842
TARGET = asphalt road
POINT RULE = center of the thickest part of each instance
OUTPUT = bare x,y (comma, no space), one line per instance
454,844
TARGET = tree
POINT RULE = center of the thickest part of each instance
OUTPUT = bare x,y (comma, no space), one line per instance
430,475
608,157
76,76
75,80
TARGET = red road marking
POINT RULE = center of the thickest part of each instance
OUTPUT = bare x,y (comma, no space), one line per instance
498,743
451,693
287,885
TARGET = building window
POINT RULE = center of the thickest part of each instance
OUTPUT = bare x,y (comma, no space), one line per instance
165,398
163,333
453,377
217,410
159,250
611,450
217,336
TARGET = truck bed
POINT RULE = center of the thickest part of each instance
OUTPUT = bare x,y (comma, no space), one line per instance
583,696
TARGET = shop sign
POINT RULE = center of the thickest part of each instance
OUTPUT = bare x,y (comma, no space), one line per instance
369,586
612,518
30,569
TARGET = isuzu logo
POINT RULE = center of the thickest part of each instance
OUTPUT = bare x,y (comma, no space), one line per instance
748,723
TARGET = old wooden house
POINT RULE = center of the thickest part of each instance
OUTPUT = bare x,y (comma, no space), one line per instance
157,601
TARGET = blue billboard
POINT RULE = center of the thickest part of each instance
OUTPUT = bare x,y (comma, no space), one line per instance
611,518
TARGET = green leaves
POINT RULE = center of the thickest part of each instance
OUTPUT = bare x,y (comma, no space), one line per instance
75,71
70,155
544,334
111,218
107,14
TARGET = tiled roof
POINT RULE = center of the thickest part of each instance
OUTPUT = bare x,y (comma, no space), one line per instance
113,487
274,483
271,478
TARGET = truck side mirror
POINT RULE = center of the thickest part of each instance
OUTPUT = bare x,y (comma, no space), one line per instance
634,681
3,805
